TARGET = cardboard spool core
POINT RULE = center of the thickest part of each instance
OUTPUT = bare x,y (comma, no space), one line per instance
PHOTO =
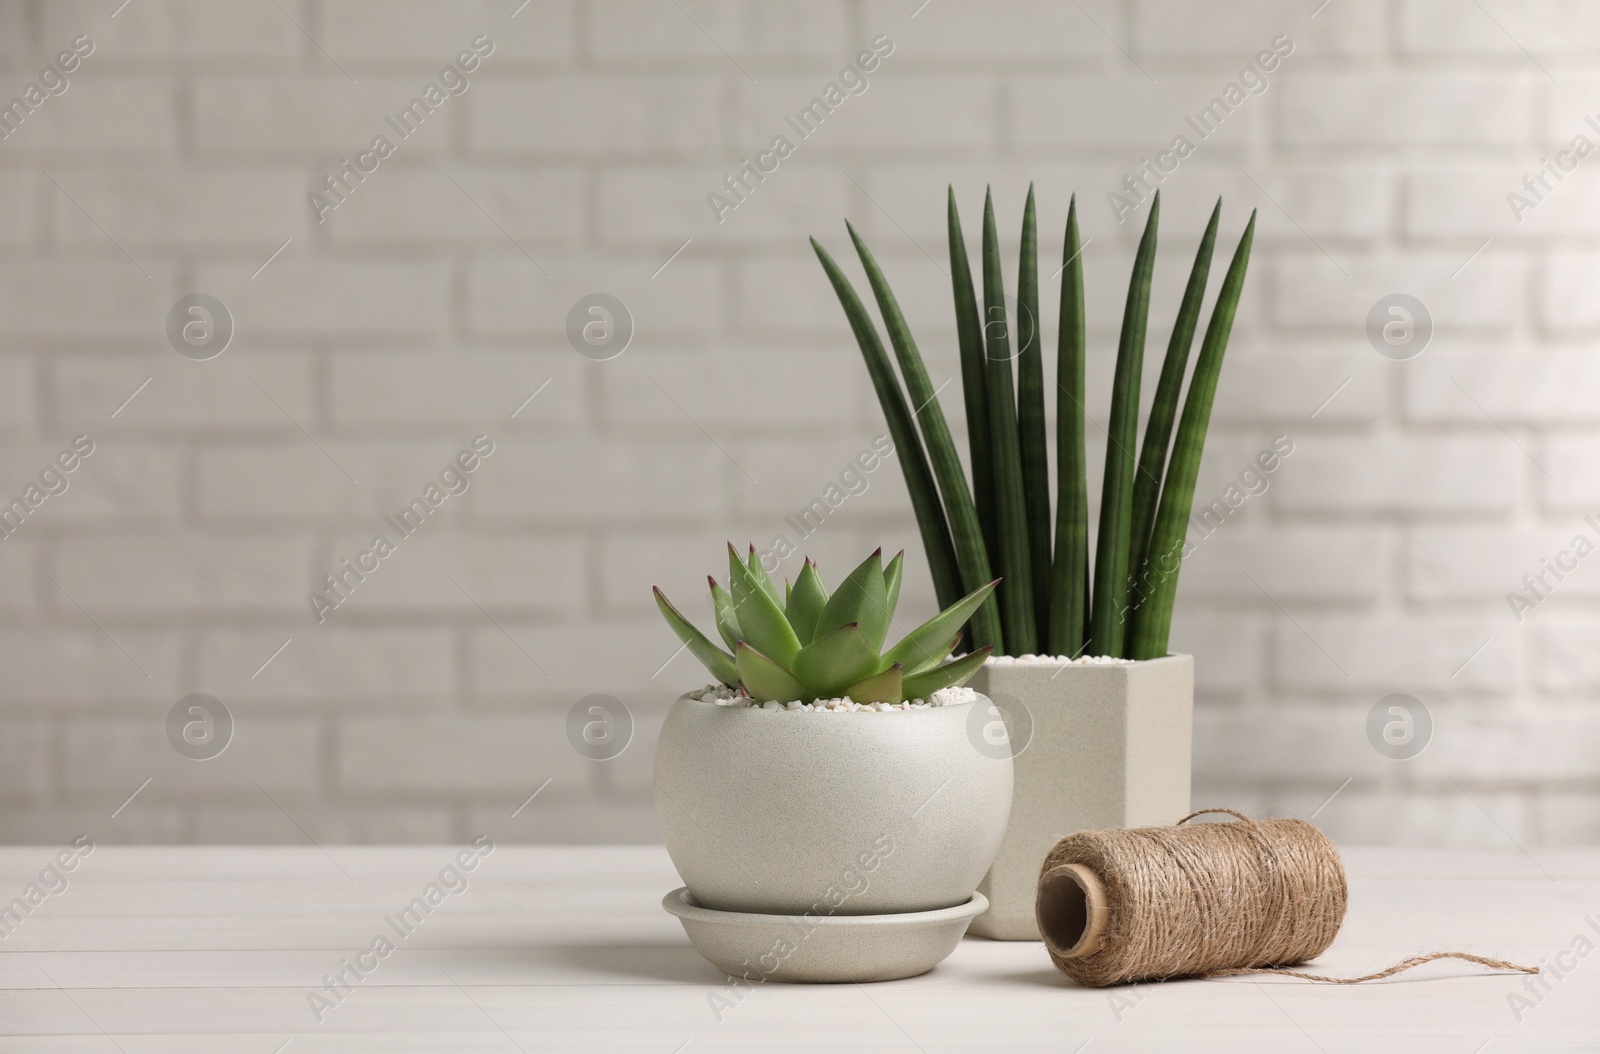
1072,911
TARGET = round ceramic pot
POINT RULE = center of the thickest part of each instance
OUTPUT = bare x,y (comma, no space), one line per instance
861,813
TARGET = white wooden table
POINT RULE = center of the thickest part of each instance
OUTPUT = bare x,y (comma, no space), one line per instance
214,950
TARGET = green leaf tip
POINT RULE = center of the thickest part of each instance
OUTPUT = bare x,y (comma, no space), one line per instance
952,674
717,661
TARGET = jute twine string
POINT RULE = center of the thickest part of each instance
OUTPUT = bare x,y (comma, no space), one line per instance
1200,900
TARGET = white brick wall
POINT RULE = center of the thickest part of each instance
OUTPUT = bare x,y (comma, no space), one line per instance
433,302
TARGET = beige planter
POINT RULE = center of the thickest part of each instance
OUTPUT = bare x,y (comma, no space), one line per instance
1109,746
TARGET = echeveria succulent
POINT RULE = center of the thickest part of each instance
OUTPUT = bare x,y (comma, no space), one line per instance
810,645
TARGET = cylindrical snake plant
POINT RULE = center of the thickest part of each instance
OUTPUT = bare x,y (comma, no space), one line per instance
1050,600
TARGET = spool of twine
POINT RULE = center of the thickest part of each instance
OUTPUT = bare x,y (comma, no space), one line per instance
1199,900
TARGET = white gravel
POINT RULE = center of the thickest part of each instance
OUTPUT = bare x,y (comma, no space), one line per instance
1055,660
722,695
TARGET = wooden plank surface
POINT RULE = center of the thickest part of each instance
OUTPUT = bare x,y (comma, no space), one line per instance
216,949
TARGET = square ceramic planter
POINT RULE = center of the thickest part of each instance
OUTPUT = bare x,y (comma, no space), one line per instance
1109,746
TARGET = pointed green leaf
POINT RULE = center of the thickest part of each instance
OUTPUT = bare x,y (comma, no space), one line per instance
913,651
891,580
879,688
862,598
931,524
720,664
969,334
1031,429
761,620
935,657
1069,571
806,602
1017,614
764,680
955,672
1153,620
972,558
1109,622
759,575
837,659
727,619
1164,409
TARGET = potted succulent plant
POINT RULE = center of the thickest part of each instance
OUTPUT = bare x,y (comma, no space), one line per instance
824,785
1100,714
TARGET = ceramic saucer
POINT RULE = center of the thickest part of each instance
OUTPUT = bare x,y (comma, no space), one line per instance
831,948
